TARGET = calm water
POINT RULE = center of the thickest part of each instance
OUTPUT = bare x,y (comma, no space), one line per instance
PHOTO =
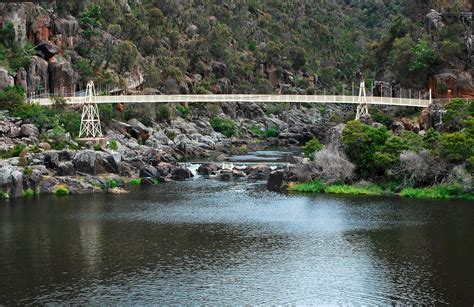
229,243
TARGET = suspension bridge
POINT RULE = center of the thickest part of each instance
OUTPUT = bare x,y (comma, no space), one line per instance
90,120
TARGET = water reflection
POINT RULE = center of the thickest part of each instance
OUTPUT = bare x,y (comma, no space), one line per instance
234,242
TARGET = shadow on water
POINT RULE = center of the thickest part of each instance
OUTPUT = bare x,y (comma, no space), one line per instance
234,242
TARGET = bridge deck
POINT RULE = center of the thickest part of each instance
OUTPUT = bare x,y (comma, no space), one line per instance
414,102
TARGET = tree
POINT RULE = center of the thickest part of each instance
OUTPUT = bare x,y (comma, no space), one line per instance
361,142
400,58
311,147
424,58
456,147
126,55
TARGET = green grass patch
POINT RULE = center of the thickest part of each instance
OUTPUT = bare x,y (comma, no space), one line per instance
315,186
61,190
353,190
113,145
226,126
444,191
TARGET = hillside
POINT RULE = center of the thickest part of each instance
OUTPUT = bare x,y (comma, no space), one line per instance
232,46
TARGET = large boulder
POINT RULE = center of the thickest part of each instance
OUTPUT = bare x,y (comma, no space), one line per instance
89,162
28,130
138,130
11,180
258,172
66,29
276,181
148,171
207,169
181,174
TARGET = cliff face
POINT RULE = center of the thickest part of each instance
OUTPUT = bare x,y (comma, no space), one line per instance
257,46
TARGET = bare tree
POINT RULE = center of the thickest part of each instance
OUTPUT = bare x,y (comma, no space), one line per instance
331,165
420,167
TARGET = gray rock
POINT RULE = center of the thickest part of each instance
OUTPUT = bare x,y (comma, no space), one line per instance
14,132
62,76
29,130
66,169
11,180
207,169
5,78
258,172
48,185
148,171
89,162
37,77
47,50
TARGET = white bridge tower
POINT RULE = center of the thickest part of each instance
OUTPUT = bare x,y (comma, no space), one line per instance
362,107
90,120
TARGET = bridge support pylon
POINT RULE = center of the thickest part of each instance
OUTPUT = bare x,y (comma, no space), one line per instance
90,119
362,107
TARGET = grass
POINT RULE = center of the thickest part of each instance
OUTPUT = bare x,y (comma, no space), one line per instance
444,191
453,191
113,145
61,190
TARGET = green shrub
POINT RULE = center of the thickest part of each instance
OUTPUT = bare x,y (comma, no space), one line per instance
135,181
163,113
311,147
113,145
14,152
29,192
275,108
4,195
224,125
113,183
272,132
183,110
97,147
256,130
61,190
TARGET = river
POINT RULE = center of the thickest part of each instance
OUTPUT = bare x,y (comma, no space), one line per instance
212,242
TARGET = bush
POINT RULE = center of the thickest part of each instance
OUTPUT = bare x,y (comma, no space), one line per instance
14,152
332,166
224,125
311,147
272,132
135,181
61,190
163,113
4,195
361,142
97,147
456,147
113,145
113,183
28,192
183,110
12,96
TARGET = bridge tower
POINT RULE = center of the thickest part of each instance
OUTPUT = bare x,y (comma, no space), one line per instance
90,120
362,107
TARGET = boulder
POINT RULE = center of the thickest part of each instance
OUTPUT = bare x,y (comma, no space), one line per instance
398,127
48,185
28,130
15,132
207,169
181,174
138,130
276,181
148,171
113,163
230,174
66,169
164,169
89,162
47,50
11,180
258,172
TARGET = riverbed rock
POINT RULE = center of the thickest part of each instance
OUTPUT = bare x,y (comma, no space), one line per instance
258,172
207,169
276,182
181,174
148,171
